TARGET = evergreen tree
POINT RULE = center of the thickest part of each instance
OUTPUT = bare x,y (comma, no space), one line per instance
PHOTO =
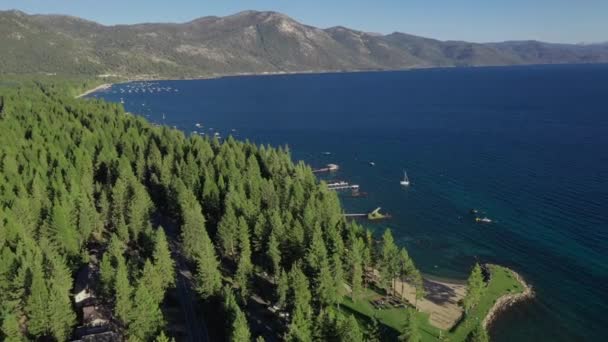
106,274
208,277
373,331
240,329
163,263
11,329
61,316
154,281
475,287
163,338
282,289
244,266
122,307
350,331
37,302
479,334
299,329
410,331
146,317
227,231
64,231
274,254
356,272
389,263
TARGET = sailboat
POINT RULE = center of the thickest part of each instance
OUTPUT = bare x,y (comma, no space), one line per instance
405,181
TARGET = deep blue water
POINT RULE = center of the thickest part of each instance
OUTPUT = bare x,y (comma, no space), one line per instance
528,146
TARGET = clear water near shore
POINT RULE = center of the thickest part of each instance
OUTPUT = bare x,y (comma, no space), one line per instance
527,146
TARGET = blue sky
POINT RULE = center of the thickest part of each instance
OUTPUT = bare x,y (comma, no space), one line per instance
569,21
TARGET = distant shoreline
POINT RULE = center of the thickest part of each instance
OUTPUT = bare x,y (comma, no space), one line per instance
99,87
151,78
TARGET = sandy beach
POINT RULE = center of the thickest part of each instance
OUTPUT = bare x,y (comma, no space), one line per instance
440,302
100,87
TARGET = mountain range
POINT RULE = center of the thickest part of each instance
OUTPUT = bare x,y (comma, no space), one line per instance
246,42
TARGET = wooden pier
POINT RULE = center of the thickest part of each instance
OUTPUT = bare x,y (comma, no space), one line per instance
347,186
327,168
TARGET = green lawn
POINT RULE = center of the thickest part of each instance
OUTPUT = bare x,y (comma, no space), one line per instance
502,282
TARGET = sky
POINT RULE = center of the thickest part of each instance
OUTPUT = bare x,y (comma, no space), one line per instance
560,21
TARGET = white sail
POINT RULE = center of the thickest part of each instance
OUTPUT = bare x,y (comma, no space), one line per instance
405,181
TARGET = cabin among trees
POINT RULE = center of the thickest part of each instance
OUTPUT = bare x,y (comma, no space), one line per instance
94,315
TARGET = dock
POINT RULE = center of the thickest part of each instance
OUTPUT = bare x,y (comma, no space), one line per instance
342,186
327,168
373,215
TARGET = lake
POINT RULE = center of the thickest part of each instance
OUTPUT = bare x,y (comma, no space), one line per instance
526,146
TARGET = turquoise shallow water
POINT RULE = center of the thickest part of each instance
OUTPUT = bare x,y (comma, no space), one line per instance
527,146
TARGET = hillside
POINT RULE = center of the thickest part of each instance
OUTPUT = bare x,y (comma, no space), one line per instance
246,42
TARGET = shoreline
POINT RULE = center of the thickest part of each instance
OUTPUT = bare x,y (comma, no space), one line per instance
446,311
99,87
151,78
507,300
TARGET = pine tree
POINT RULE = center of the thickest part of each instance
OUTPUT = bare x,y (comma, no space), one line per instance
138,209
163,338
64,231
282,289
373,331
475,287
163,262
389,263
123,306
146,317
61,316
410,332
479,334
154,281
208,277
107,273
37,302
274,254
317,252
227,231
193,231
11,329
299,329
356,274
350,331
244,266
240,329
338,279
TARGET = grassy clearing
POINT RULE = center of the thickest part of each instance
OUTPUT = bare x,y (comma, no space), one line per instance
502,282
391,320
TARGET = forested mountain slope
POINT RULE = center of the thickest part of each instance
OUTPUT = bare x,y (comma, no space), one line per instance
246,42
84,185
